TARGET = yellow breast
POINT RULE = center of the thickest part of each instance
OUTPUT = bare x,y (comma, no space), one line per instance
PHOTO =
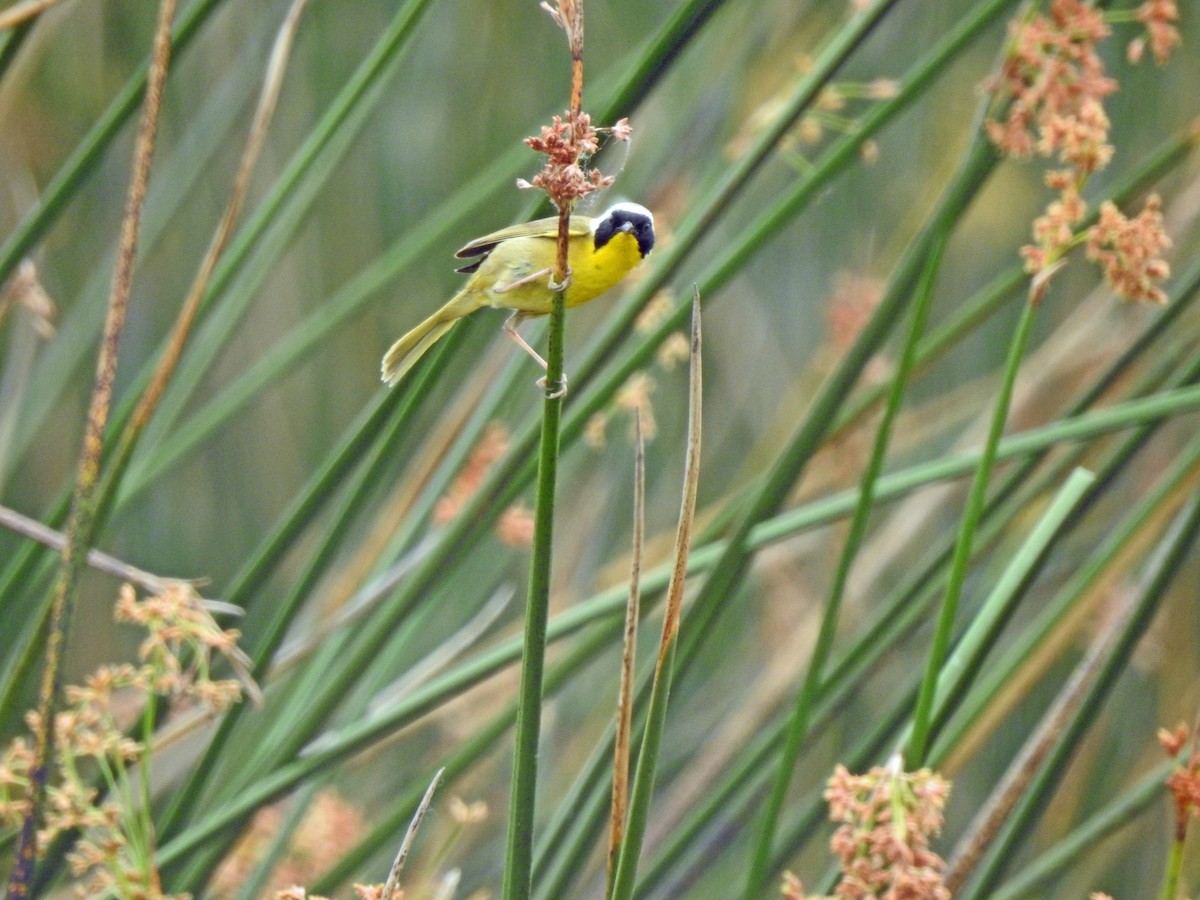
595,271
592,271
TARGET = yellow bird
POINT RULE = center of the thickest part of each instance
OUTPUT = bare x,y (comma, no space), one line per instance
515,268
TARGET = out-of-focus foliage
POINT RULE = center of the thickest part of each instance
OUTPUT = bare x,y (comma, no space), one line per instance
329,267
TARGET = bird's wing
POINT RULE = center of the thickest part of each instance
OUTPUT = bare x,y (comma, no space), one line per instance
538,228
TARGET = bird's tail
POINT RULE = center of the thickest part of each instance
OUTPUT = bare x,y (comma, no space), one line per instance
403,354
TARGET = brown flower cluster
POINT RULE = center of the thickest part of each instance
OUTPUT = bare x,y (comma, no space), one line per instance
1054,83
568,144
89,738
1159,17
1128,250
92,747
1054,230
851,304
492,445
888,817
181,629
1184,783
515,526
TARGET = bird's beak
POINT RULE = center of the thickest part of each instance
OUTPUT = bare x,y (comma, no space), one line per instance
627,227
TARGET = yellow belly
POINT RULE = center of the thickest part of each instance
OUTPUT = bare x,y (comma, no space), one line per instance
592,271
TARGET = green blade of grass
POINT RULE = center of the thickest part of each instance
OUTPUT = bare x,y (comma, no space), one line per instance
917,746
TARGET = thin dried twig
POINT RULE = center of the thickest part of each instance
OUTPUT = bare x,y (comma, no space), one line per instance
23,12
82,518
97,559
620,791
687,513
393,880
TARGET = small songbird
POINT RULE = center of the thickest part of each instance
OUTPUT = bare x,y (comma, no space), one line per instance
514,269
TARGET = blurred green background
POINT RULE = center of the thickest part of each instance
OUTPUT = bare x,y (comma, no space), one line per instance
428,161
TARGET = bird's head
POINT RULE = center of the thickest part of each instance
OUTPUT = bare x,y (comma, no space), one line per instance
629,218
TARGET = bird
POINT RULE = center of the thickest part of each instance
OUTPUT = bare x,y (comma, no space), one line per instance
514,269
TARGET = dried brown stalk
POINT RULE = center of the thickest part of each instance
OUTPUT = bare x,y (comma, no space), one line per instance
687,514
392,885
621,752
79,525
23,12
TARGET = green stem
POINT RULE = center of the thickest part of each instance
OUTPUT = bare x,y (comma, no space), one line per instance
518,871
1170,888
918,744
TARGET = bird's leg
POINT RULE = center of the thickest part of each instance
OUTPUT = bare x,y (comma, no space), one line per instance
532,277
510,328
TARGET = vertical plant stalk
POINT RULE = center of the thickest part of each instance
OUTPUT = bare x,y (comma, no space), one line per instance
922,730
760,863
620,791
80,524
656,714
518,869
1170,888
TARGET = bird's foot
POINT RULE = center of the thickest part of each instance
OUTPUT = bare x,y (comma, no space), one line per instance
560,391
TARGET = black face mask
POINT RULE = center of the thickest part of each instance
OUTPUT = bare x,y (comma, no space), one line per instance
640,226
